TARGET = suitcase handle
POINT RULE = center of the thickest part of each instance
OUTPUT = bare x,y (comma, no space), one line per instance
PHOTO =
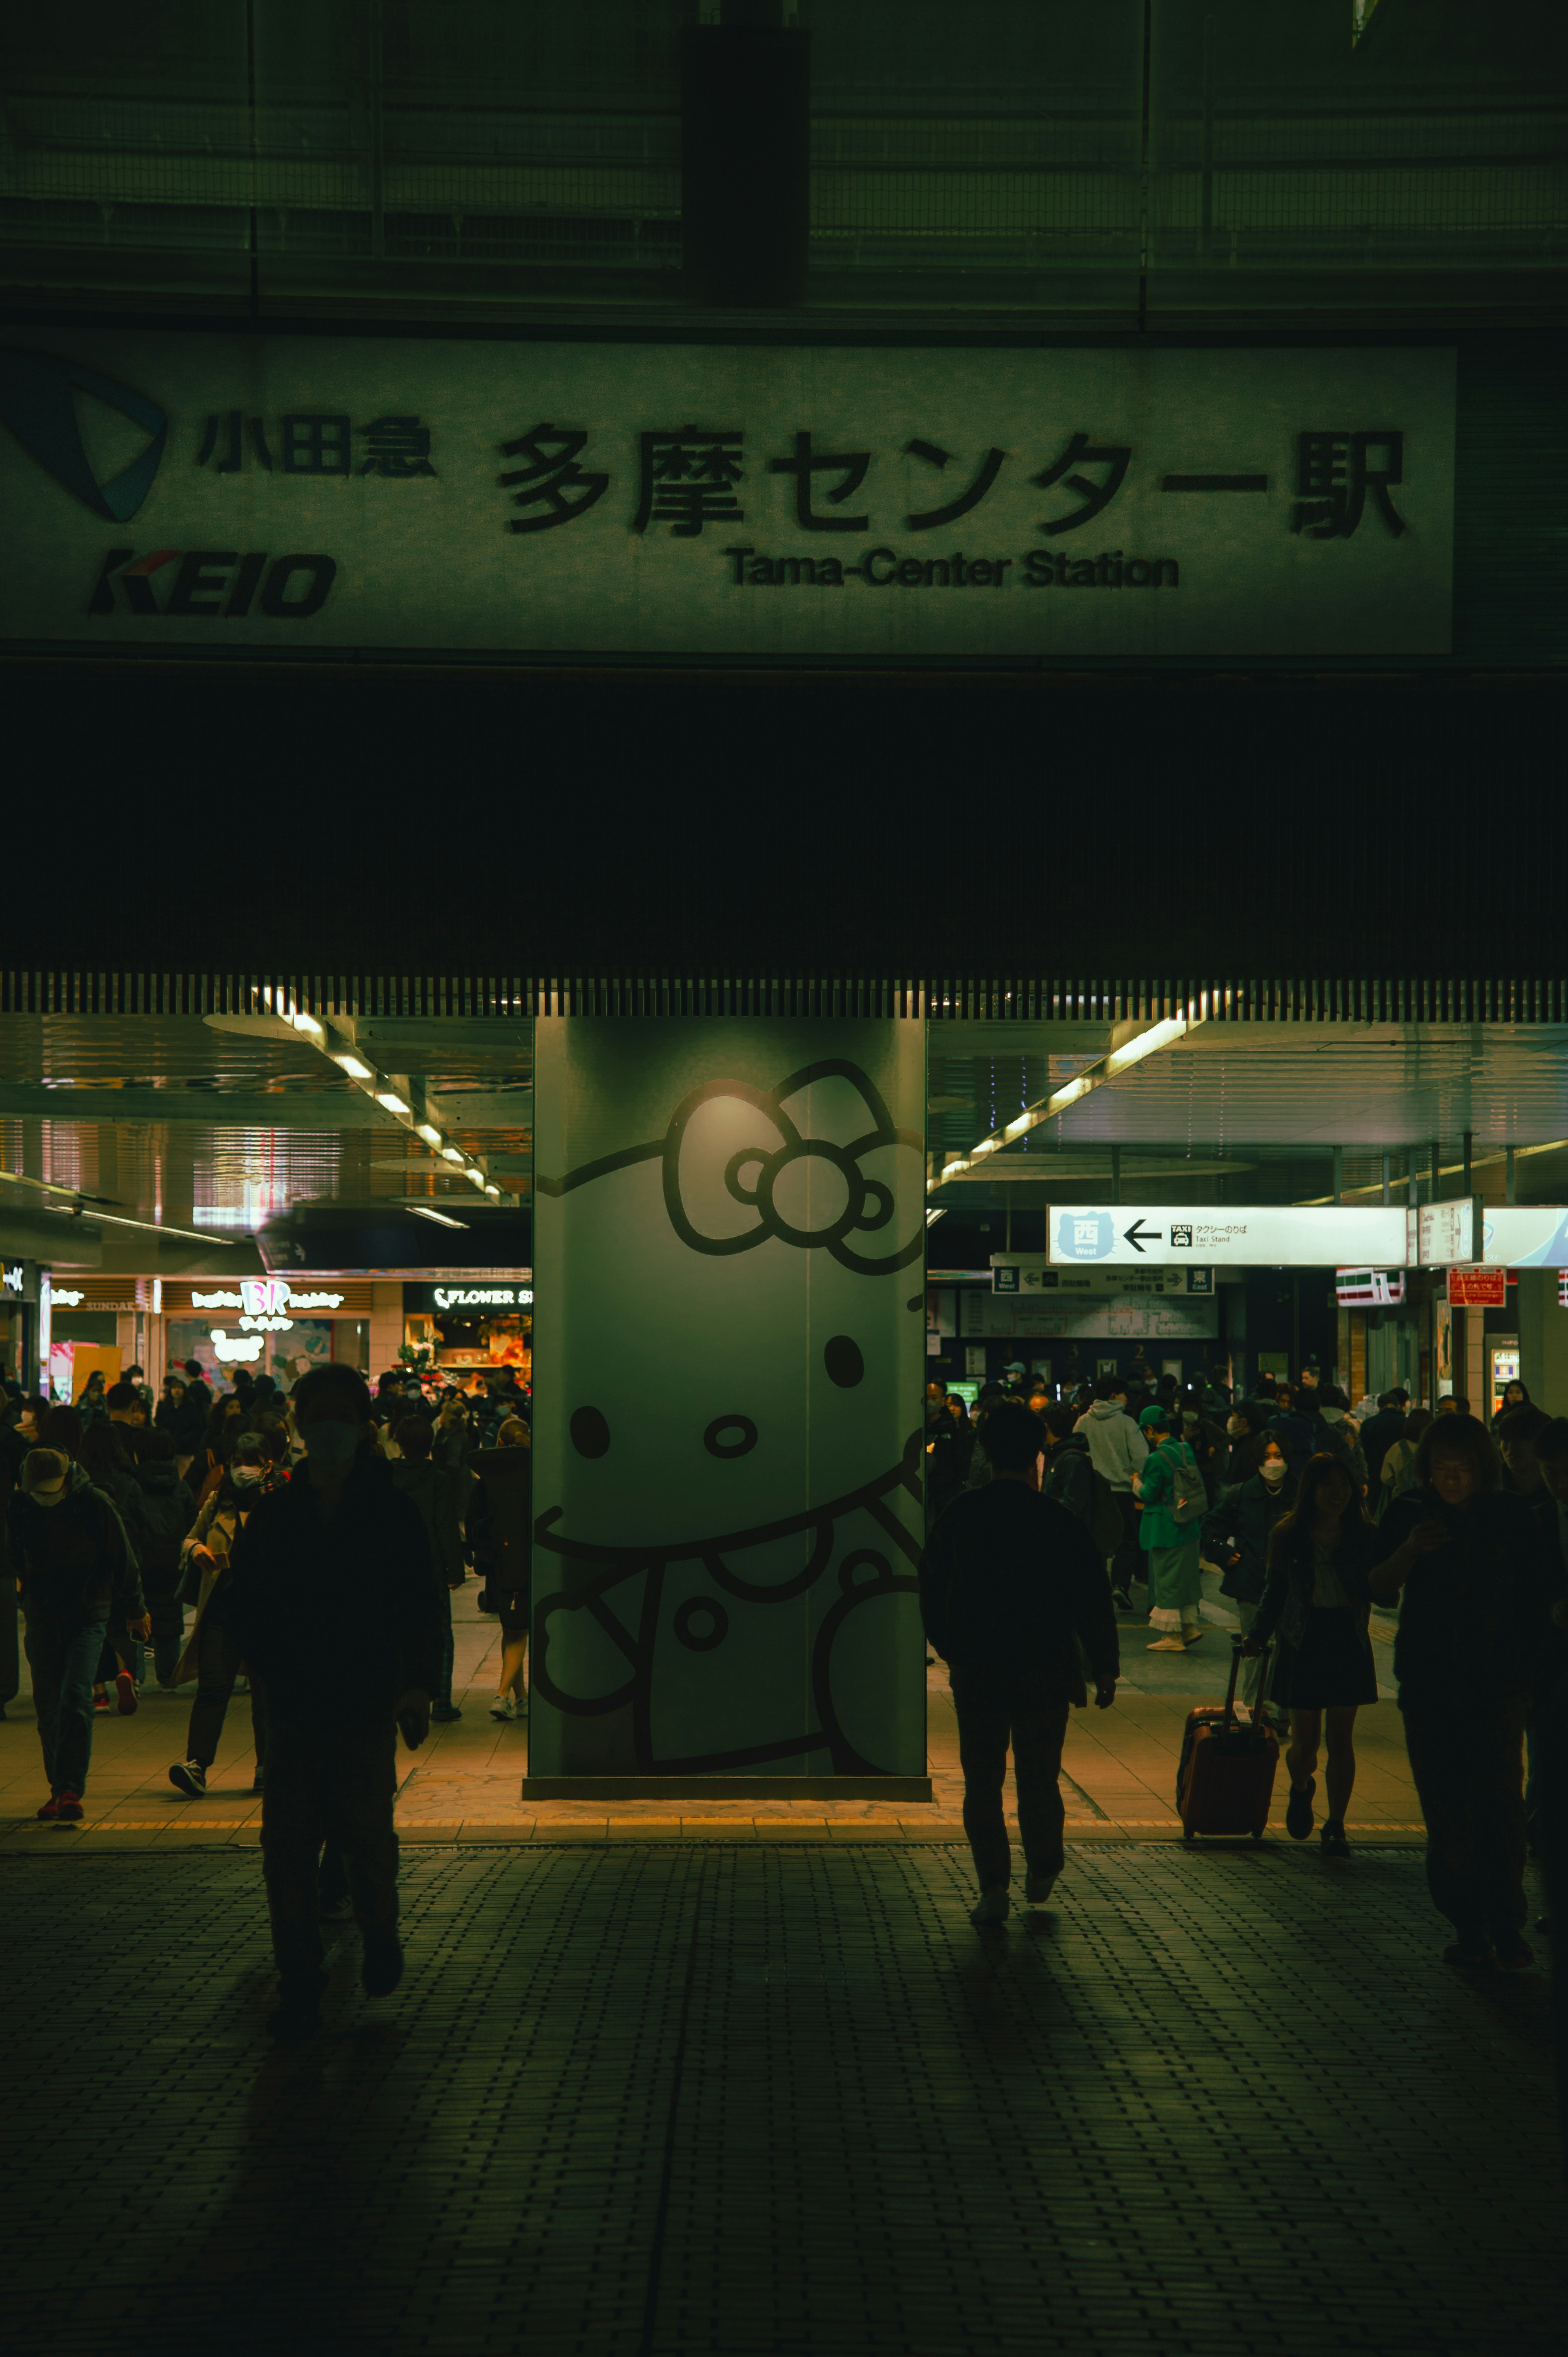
1266,1657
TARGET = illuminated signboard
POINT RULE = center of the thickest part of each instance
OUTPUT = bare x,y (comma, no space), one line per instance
263,1300
1369,1288
481,1297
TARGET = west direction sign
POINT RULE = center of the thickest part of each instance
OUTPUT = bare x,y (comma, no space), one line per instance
1275,1235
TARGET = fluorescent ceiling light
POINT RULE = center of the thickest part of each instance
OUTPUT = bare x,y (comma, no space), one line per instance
422,1211
940,1212
452,1154
492,1189
1105,1068
477,1177
355,1067
426,1130
305,1023
391,1099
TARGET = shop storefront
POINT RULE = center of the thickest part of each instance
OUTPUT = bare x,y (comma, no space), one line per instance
19,1318
268,1326
465,1328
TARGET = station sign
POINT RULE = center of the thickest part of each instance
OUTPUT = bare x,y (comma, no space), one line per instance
733,498
1275,1236
1525,1236
1447,1233
1477,1288
1029,1276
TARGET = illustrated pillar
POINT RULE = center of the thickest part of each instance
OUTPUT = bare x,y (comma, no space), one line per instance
729,1339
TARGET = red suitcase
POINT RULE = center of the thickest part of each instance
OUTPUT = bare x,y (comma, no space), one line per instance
1224,1781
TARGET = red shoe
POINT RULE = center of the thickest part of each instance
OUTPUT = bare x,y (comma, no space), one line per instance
126,1688
99,1703
51,1806
67,1809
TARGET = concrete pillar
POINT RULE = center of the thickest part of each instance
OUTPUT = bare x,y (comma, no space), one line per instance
386,1326
1543,1339
729,1350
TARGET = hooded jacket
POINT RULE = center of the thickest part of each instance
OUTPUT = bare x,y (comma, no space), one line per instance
1116,1443
431,1491
73,1560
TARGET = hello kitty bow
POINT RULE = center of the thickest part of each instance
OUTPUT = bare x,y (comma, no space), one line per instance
816,1163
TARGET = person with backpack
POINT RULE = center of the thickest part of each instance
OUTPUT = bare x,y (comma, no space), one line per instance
1070,1479
1174,1502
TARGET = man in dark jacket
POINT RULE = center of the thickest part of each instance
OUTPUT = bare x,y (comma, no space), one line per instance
78,1582
425,1483
169,1512
1379,1433
12,1450
945,1467
1009,1582
331,1599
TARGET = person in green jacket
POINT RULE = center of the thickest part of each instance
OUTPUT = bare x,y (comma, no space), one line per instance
1176,1581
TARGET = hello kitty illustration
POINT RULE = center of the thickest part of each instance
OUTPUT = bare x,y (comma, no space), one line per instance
728,1462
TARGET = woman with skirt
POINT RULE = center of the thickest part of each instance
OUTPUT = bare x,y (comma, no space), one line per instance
1316,1596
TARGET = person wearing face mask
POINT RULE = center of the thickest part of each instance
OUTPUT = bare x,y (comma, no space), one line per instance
1245,1430
1477,1642
79,1584
332,1599
209,1656
1237,1534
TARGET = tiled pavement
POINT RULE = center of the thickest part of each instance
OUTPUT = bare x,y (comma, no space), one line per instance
698,2098
465,1783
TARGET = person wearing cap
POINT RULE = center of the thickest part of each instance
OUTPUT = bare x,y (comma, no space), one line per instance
1176,1576
78,1582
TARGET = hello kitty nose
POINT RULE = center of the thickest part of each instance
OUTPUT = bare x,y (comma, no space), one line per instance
730,1436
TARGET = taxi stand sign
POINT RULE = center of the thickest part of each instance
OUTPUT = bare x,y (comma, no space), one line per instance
1273,1235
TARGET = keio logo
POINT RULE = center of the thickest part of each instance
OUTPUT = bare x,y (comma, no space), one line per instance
212,582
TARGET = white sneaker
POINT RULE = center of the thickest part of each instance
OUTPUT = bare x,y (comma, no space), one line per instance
1037,1889
503,1707
993,1907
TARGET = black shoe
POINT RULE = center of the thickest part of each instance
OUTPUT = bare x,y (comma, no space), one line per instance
1333,1839
443,1712
1514,1953
382,1967
1470,1955
189,1777
1122,1600
1298,1809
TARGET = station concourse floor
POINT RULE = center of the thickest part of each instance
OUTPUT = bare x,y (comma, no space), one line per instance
683,2087
465,1783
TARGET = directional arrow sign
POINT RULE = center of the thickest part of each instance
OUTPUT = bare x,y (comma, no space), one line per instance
1273,1235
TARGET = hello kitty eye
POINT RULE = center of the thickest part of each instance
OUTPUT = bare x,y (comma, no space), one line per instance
590,1432
844,1361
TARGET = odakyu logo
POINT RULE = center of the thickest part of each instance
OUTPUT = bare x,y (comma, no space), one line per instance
1084,1235
39,397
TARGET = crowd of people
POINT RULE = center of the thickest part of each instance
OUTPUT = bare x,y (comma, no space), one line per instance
306,1546
1313,1517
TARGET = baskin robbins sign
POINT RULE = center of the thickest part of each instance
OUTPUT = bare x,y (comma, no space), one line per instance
318,492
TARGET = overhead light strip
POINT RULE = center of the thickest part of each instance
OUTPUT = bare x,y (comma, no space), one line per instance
1094,1076
1445,1170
